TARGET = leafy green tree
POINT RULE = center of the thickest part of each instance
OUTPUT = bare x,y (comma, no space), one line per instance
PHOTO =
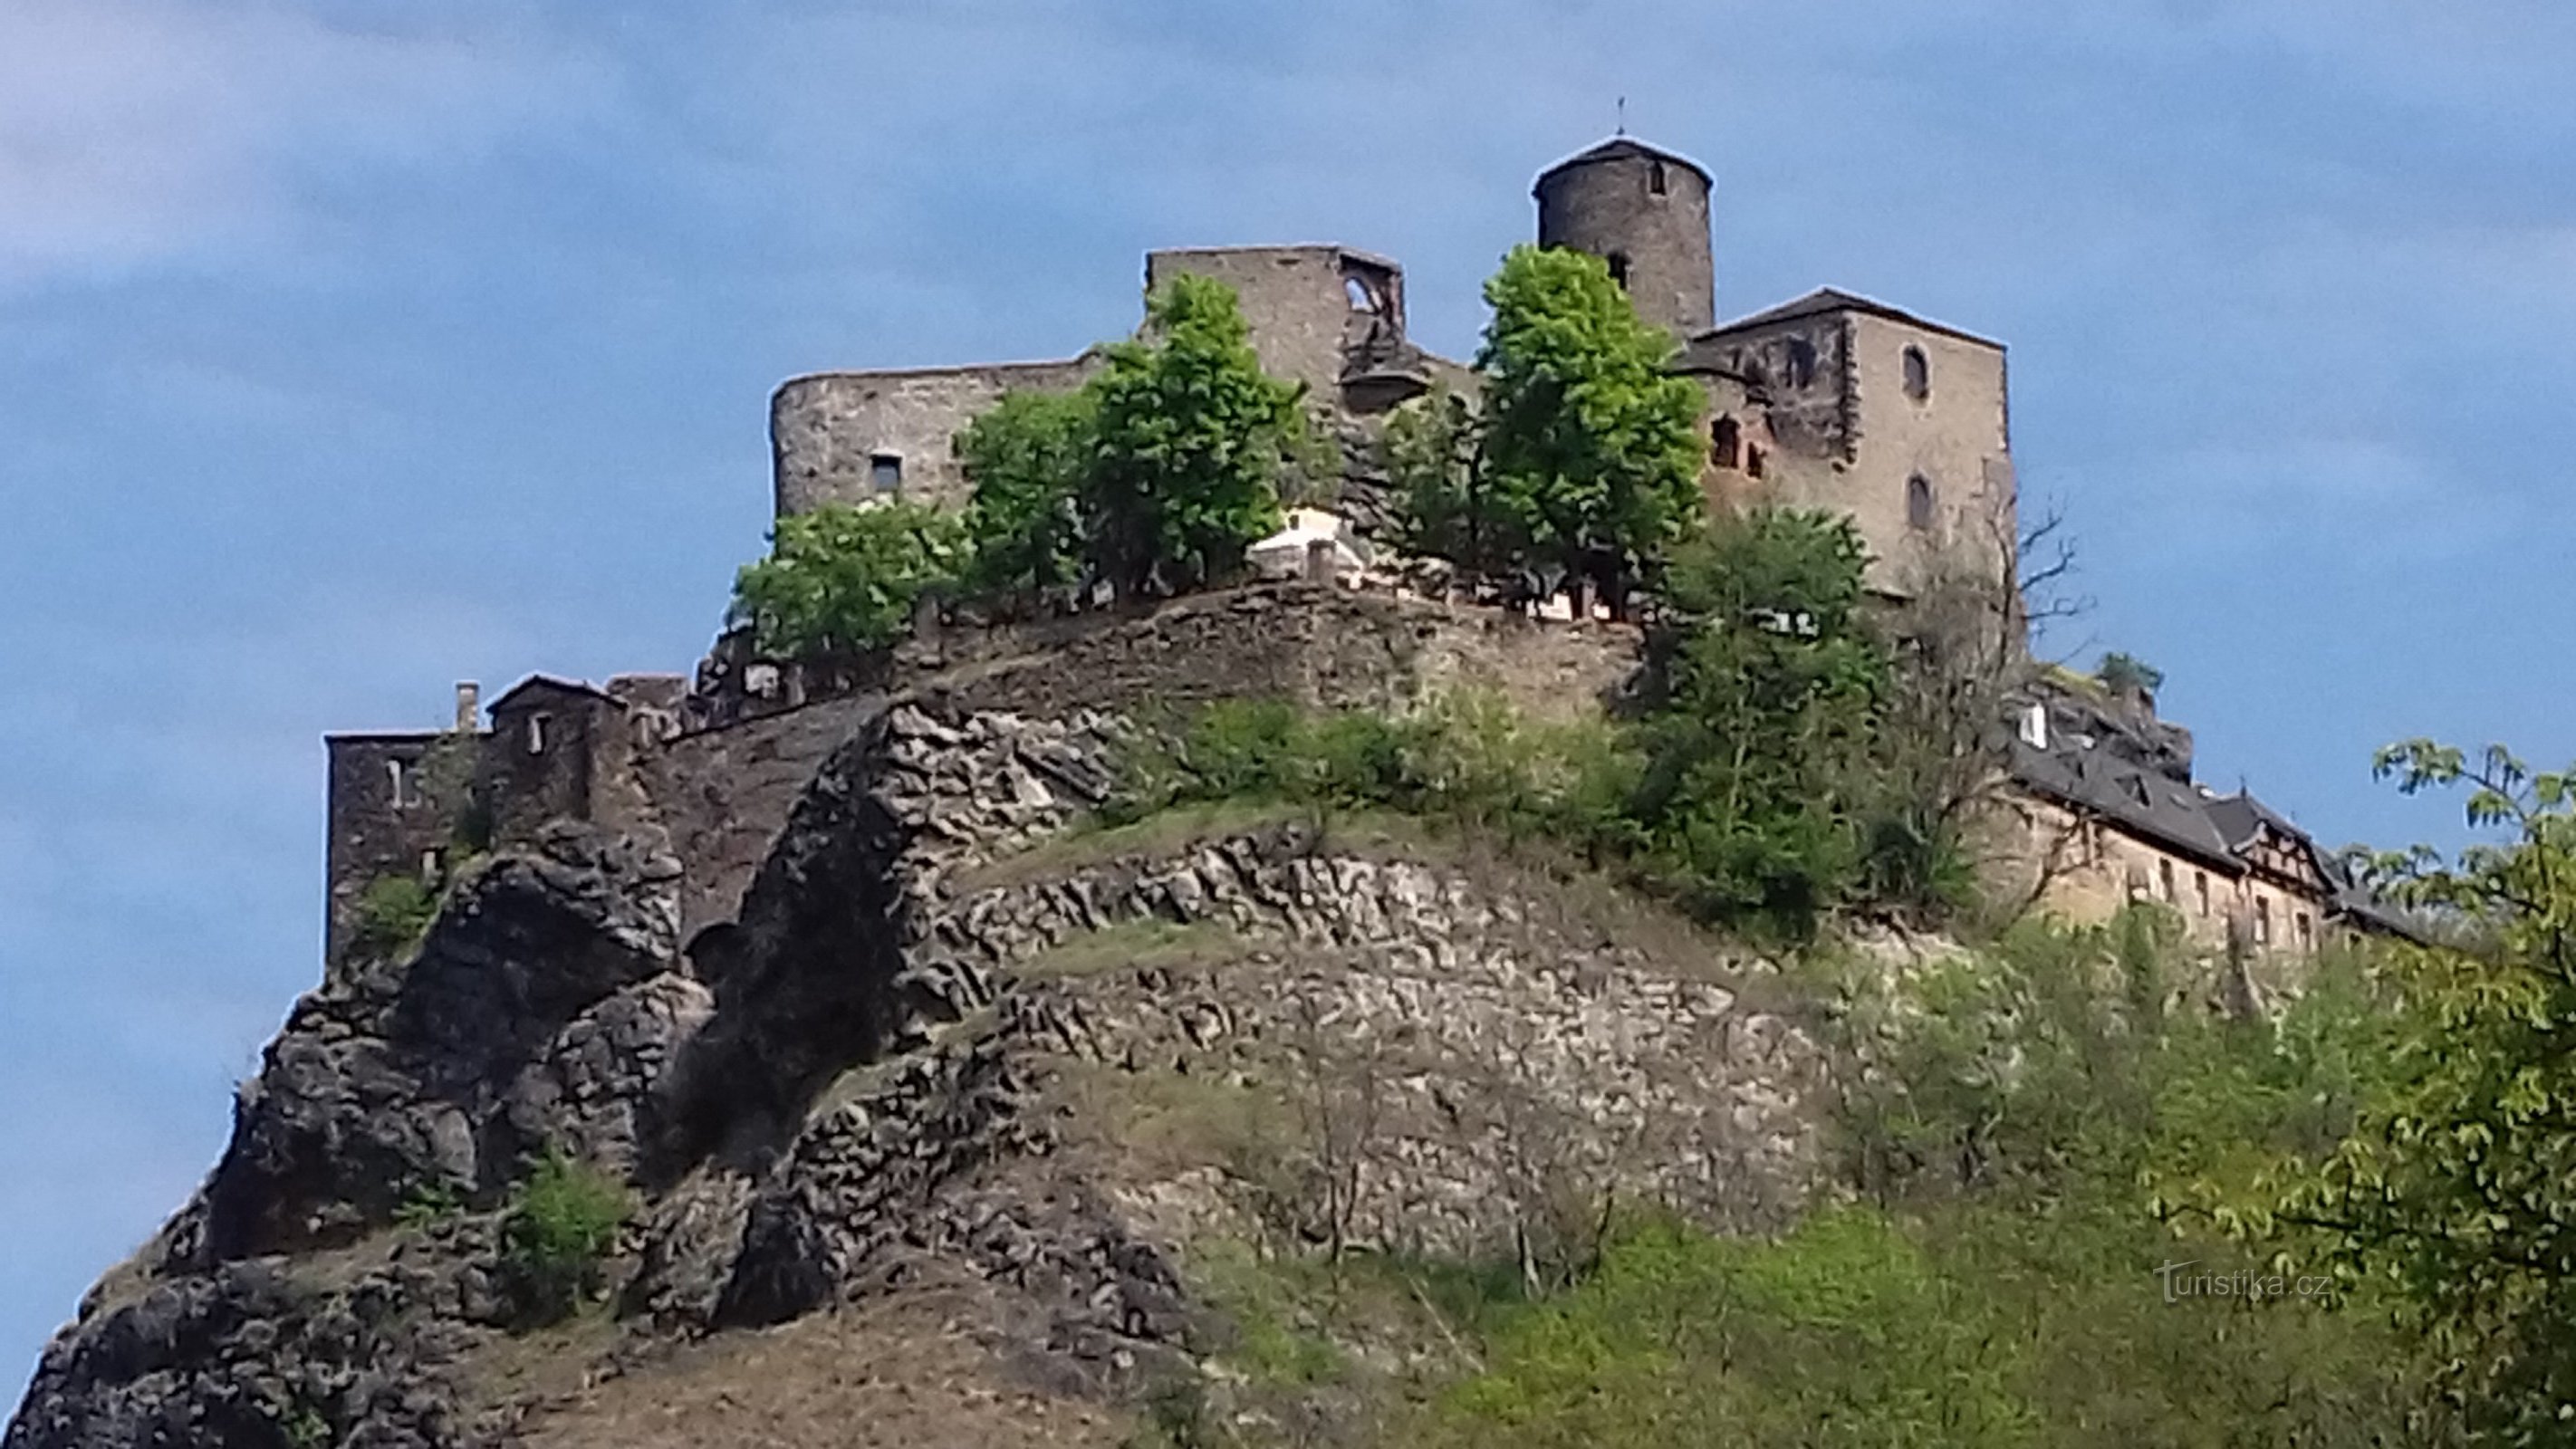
2457,1190
1027,458
1760,743
844,579
1590,448
1193,443
1435,448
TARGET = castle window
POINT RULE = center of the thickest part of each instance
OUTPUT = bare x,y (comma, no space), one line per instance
885,472
1725,442
1619,267
1918,374
2165,881
1752,460
1655,180
2307,933
2262,921
2200,883
537,732
1802,362
1362,299
1918,502
398,774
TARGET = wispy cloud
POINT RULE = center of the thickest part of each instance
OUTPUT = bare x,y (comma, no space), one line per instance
135,132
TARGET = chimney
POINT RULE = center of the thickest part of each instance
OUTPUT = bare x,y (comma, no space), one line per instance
469,705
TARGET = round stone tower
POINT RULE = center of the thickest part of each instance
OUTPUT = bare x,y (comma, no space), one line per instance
1644,210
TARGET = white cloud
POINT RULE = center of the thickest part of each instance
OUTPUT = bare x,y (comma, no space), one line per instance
142,132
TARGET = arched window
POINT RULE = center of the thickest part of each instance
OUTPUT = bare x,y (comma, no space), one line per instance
1802,362
1619,268
1918,374
1725,442
1918,502
1361,298
1655,179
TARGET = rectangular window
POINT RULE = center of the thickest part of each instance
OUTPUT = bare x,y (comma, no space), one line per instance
2200,883
2165,881
885,472
2262,921
537,733
2307,933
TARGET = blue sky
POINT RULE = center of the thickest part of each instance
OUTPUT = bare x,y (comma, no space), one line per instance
348,350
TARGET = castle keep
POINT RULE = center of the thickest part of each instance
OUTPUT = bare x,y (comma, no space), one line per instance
1830,401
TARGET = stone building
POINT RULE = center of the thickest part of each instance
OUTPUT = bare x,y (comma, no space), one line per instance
1830,401
2104,812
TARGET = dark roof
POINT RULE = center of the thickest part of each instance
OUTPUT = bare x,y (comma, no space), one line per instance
555,683
1622,147
2240,816
1826,300
2082,773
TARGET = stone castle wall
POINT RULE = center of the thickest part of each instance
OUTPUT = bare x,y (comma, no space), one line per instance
828,431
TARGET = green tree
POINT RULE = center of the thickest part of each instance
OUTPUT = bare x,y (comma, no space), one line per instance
845,579
1590,448
1193,443
1027,458
2457,1190
1435,449
1760,743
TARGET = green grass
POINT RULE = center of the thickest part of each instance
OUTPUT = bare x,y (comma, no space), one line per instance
1149,945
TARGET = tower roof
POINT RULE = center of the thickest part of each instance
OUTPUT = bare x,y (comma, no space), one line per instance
1622,147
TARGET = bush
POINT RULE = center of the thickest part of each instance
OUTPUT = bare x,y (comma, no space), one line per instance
844,579
394,912
562,1223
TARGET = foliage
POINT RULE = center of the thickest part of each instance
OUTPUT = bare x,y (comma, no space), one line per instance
562,1223
1027,458
1466,757
2127,674
394,911
427,1205
1582,458
1758,749
845,579
1192,442
2456,1191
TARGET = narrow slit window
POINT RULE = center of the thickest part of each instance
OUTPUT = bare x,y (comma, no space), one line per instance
398,775
537,732
1752,461
1918,502
1619,268
1656,181
1918,374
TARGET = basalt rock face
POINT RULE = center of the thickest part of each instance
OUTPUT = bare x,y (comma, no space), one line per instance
914,1062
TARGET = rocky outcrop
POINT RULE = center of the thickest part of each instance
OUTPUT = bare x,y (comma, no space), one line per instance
903,1063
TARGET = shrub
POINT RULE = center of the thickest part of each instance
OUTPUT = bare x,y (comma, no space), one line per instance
562,1223
844,579
394,911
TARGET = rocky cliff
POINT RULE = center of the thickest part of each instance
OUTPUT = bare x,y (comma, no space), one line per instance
925,1142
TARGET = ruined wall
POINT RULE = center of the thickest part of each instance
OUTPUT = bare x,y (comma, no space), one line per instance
377,827
827,431
1310,308
721,796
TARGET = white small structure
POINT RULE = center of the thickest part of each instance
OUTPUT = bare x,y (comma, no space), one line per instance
1315,545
